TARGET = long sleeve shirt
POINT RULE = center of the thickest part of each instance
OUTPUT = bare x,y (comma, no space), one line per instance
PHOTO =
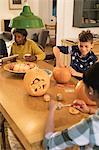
85,134
30,47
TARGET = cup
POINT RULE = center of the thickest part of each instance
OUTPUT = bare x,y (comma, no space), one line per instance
27,57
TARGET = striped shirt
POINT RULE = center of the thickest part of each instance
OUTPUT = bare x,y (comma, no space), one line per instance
85,134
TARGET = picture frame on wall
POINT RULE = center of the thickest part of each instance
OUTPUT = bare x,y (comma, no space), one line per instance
15,4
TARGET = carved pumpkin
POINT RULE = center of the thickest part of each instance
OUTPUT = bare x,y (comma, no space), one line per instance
36,82
81,94
61,74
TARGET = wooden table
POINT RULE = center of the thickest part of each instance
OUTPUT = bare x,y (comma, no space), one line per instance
26,114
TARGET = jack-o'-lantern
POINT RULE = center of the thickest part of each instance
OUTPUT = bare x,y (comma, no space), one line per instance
36,82
61,74
81,94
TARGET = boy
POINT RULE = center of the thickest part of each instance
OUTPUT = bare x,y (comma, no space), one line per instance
84,134
81,56
23,46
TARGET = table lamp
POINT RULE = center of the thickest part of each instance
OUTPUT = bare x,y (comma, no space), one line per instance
26,19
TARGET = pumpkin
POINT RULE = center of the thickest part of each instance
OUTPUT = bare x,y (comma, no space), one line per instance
81,94
73,111
36,82
61,74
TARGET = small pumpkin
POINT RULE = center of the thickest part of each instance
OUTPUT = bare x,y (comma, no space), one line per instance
36,82
61,74
73,111
81,94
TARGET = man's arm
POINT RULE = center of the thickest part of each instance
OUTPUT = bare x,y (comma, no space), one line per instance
38,52
59,62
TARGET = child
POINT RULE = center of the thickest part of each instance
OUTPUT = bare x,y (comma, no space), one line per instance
84,134
81,56
23,46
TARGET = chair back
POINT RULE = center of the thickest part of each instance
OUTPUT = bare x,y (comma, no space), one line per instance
42,37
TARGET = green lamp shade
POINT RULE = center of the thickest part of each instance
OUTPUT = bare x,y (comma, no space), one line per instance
26,20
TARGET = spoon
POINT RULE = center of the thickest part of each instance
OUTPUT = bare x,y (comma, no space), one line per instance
59,105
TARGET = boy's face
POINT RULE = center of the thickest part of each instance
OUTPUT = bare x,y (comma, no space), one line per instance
85,47
19,38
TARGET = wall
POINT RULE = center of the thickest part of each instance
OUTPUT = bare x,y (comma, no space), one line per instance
43,8
40,8
65,19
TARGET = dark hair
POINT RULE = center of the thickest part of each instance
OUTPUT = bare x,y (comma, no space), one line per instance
21,31
3,49
91,77
85,36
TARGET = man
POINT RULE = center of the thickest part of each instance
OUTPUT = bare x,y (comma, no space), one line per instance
3,49
23,46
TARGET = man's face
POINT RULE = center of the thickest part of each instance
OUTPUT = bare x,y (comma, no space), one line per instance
85,47
19,38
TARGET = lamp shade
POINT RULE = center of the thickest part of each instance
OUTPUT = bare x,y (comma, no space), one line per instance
26,20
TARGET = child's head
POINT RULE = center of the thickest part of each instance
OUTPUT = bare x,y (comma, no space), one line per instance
91,80
86,36
85,42
20,36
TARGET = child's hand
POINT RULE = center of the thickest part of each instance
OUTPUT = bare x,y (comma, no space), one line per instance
81,105
29,57
73,72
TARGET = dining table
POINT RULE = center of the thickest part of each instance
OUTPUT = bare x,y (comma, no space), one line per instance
26,114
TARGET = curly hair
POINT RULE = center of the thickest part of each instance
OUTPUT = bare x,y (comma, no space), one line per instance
21,31
85,36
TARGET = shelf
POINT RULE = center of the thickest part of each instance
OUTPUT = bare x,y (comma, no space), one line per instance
85,25
86,14
90,9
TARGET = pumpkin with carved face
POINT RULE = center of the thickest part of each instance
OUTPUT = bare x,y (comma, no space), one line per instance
81,94
36,82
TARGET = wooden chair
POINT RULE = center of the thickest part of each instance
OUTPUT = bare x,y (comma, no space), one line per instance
52,34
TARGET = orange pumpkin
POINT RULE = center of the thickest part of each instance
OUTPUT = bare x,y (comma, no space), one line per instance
81,94
36,82
61,74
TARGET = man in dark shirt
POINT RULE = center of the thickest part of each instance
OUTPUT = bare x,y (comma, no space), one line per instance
3,49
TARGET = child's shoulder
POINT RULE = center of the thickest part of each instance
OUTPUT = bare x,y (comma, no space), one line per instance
75,48
92,53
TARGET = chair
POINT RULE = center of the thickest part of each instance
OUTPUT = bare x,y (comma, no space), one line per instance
42,42
6,36
42,37
52,34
